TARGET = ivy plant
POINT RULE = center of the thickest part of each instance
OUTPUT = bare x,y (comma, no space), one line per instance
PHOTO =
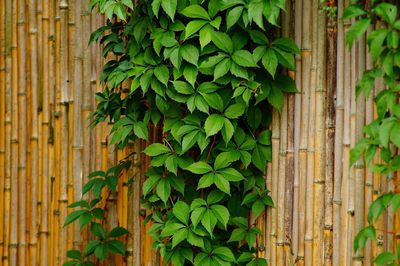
382,136
206,74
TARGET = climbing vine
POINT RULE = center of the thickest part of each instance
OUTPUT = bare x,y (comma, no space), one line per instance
207,74
382,134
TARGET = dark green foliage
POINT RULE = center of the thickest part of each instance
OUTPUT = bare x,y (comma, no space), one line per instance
208,73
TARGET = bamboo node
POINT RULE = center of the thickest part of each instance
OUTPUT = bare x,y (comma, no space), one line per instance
351,212
329,227
319,182
32,244
21,93
279,242
358,258
63,5
21,22
13,245
57,212
43,232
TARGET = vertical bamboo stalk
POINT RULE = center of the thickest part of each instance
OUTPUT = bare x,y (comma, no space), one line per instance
310,164
331,82
77,141
359,166
33,227
297,124
14,142
338,151
2,126
22,131
303,143
320,142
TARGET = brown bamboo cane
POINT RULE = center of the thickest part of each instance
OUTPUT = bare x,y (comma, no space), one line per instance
369,116
279,142
52,140
8,120
289,30
77,121
34,133
359,166
2,124
22,131
331,82
303,143
14,141
338,151
297,124
309,213
44,227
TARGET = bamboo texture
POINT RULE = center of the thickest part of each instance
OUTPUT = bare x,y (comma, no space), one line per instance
48,79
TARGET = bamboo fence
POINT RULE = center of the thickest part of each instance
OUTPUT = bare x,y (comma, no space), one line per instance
48,78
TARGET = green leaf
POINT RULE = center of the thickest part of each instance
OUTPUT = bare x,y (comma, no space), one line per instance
238,234
140,130
163,190
98,230
179,236
172,164
270,61
190,53
356,30
195,240
395,134
162,74
235,110
190,73
224,253
233,16
223,41
189,140
352,12
116,246
206,181
257,208
181,212
222,184
120,11
209,221
286,44
214,100
243,58
227,130
231,174
194,26
222,68
74,254
205,36
73,216
239,71
224,159
384,258
197,215
199,168
156,149
91,246
222,214
117,232
255,12
183,87
170,228
375,42
385,131
214,124
195,11
387,11
101,252
149,184
169,7
275,98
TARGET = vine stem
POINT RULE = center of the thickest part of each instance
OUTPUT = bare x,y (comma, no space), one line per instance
212,146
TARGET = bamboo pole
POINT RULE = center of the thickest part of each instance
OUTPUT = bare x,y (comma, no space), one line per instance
338,151
297,129
320,140
331,81
22,132
14,142
310,163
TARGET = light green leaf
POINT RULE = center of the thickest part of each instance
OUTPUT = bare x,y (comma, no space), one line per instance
206,181
205,36
183,87
199,168
214,100
356,30
194,26
209,221
179,236
195,11
214,124
140,130
190,73
181,212
233,16
352,12
156,149
227,130
231,174
235,110
162,74
197,215
222,68
270,61
190,53
222,184
223,41
257,208
163,190
222,214
225,254
243,58
169,7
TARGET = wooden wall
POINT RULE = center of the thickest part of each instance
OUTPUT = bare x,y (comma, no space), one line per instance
48,77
